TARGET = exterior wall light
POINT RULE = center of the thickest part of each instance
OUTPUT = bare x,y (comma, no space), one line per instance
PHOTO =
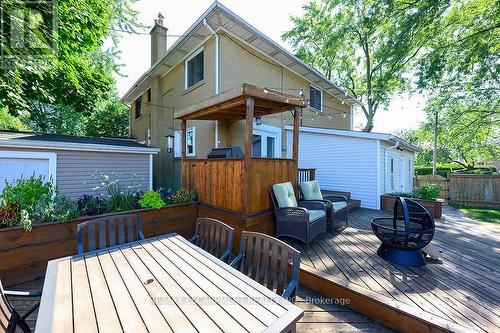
258,120
170,143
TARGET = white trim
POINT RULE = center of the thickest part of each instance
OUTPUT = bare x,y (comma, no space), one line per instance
378,173
321,97
351,119
194,54
20,143
151,171
191,129
197,47
51,157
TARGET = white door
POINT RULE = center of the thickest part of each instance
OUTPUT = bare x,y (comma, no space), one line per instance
15,165
266,141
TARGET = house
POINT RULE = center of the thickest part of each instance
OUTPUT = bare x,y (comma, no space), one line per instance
71,162
218,52
364,164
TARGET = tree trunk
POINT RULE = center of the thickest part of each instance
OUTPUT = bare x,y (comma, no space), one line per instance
369,123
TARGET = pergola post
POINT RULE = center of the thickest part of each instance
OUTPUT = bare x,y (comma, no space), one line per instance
296,118
250,106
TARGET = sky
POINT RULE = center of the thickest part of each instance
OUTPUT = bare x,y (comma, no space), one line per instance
272,17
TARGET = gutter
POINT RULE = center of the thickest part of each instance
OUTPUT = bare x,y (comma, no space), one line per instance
217,64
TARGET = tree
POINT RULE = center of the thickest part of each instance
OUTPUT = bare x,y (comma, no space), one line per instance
78,72
10,123
110,119
366,46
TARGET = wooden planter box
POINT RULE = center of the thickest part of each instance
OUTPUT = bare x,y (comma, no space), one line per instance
434,207
24,254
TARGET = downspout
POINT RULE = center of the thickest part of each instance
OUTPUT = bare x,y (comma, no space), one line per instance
387,162
217,61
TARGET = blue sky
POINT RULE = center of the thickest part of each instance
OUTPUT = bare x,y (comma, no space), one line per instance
270,17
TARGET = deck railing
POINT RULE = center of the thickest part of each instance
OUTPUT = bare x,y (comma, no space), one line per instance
305,175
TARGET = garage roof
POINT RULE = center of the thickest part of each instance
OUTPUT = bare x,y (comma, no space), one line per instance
359,134
51,141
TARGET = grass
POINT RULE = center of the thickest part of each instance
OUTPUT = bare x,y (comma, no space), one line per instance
490,215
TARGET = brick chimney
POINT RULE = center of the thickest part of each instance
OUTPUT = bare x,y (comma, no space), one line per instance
158,39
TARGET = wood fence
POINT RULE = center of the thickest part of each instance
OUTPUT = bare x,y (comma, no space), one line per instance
464,189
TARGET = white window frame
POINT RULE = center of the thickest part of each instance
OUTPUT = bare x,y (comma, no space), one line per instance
321,98
177,144
51,157
193,130
195,53
266,131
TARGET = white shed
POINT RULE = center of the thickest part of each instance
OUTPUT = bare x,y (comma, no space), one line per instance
365,164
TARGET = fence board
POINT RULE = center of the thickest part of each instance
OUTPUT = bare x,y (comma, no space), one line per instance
474,190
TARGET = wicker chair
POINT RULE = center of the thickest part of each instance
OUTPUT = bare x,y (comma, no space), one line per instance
304,220
128,228
266,260
214,237
10,319
405,234
337,211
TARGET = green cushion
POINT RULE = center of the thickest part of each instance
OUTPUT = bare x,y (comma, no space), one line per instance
316,214
311,191
339,205
284,195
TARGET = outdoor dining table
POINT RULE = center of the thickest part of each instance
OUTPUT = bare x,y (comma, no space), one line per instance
160,284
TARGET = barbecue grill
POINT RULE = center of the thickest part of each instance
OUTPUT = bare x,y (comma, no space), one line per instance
226,152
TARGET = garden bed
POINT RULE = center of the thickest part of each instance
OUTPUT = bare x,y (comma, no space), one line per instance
434,207
24,254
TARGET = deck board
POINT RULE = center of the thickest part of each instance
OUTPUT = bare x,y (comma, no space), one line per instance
462,286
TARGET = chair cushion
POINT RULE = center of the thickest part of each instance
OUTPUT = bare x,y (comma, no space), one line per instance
285,195
311,191
338,205
316,214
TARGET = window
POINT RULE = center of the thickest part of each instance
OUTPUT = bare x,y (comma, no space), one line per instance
190,141
177,144
138,107
316,98
194,72
148,95
392,174
266,141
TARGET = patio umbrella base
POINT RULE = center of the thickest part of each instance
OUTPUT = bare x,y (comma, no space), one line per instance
401,257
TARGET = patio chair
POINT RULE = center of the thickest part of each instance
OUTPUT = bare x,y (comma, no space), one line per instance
112,231
10,319
267,260
304,220
405,234
214,237
337,211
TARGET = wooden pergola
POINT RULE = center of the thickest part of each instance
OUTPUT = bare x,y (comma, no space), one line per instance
236,189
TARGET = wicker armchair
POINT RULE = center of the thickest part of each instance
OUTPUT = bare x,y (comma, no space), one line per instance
303,221
337,212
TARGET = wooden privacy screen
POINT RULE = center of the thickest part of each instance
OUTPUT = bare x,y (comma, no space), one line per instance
219,182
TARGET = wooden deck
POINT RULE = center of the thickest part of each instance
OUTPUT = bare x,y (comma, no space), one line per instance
321,315
462,286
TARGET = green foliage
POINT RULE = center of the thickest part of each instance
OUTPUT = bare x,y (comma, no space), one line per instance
78,74
152,199
427,191
490,215
184,195
9,122
444,169
89,205
365,46
119,197
110,119
34,197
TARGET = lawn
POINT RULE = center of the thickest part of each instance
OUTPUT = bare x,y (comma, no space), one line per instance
490,215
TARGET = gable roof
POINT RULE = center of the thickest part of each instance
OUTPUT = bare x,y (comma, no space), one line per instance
13,139
220,17
389,138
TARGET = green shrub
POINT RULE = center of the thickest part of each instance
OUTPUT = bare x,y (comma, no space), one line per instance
427,191
34,197
120,198
444,169
184,195
152,199
64,209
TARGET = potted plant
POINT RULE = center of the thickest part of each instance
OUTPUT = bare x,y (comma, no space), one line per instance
426,195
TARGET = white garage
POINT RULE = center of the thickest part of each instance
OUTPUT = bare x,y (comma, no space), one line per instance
365,164
72,162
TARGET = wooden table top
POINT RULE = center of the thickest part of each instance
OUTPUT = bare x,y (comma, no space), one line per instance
161,284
